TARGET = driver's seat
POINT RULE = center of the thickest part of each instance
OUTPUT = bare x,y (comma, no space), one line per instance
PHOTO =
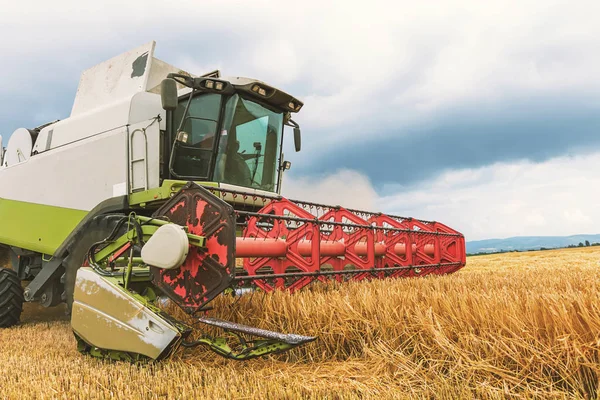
237,171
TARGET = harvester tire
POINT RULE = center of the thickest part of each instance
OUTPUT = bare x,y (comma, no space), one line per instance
95,231
11,298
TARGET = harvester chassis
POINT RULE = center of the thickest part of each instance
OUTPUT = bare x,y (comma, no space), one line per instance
110,224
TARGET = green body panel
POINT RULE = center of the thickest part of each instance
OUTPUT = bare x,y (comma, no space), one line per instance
36,227
147,231
167,190
170,187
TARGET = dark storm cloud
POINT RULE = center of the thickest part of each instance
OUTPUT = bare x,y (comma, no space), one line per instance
535,129
36,95
468,136
33,108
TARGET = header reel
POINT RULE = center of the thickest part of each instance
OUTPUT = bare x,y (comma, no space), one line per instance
185,251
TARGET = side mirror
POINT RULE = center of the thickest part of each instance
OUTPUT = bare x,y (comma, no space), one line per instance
297,139
168,94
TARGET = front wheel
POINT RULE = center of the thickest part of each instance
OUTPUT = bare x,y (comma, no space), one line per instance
11,298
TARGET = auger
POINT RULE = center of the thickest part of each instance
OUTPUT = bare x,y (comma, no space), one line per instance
153,188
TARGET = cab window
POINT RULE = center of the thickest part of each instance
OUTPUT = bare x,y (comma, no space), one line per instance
193,158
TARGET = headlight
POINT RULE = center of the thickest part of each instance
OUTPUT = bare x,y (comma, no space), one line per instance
182,137
259,90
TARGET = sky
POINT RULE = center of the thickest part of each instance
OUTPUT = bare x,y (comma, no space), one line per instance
482,115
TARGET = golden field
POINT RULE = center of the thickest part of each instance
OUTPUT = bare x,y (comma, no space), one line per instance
517,325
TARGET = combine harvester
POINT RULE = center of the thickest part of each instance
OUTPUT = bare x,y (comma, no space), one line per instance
154,186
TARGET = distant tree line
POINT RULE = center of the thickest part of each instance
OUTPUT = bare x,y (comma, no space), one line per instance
587,243
581,244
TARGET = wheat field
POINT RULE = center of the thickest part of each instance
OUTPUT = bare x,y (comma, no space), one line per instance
517,325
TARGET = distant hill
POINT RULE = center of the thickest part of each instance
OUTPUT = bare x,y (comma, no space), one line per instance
527,243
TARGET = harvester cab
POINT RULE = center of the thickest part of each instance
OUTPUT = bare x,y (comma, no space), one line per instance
226,131
165,185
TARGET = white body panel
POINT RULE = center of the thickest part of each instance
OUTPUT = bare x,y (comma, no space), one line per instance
114,79
108,147
79,175
19,147
84,173
120,77
127,111
84,160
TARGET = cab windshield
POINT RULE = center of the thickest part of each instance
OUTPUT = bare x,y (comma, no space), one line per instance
244,153
249,145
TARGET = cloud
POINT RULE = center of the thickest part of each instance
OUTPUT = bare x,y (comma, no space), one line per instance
475,135
354,63
556,197
347,188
